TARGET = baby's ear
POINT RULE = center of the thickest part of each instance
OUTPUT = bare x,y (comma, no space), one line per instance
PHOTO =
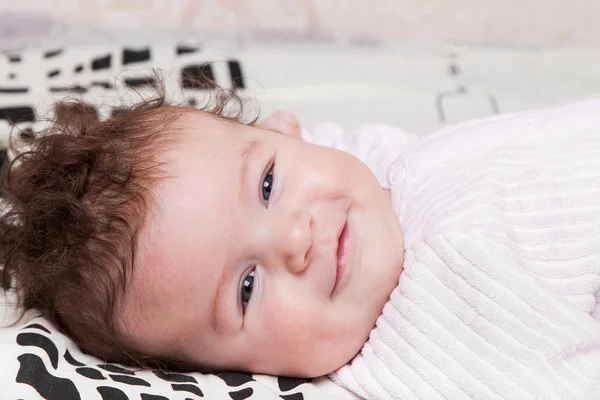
283,122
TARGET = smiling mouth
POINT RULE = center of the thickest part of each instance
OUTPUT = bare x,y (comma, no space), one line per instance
342,256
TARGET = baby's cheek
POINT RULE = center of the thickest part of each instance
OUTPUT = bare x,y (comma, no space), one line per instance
287,340
285,320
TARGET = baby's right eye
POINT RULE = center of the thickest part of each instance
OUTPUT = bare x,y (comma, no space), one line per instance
267,185
246,289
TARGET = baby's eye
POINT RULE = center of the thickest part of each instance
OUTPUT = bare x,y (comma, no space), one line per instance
267,185
246,289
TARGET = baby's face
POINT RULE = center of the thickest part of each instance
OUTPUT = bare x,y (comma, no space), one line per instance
267,254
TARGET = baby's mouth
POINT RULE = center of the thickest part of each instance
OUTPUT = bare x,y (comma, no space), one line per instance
341,255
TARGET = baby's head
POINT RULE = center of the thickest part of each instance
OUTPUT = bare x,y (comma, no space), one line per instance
179,235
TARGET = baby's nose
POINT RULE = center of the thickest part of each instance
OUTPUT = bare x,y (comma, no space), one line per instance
295,240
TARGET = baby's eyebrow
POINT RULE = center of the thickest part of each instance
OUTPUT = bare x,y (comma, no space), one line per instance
246,155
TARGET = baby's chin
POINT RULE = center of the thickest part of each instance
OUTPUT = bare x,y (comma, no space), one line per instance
319,359
330,360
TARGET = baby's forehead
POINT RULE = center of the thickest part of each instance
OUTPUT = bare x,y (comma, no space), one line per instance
209,140
204,163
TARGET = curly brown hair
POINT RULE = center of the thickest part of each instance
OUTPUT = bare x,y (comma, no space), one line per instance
74,203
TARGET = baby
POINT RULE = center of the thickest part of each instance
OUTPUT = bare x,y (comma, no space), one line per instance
468,261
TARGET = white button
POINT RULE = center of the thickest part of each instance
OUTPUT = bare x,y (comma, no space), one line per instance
397,172
397,176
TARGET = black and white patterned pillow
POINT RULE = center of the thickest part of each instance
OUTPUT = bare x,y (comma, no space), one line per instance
36,360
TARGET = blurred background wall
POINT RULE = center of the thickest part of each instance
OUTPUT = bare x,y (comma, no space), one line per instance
499,22
351,61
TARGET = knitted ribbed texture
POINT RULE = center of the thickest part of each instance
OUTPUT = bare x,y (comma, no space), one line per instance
467,322
502,268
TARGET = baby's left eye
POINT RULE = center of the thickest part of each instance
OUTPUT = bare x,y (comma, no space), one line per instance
246,289
267,185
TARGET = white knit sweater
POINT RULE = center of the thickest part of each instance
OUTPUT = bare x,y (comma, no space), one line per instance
500,289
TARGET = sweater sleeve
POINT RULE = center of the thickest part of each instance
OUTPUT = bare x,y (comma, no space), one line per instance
466,321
